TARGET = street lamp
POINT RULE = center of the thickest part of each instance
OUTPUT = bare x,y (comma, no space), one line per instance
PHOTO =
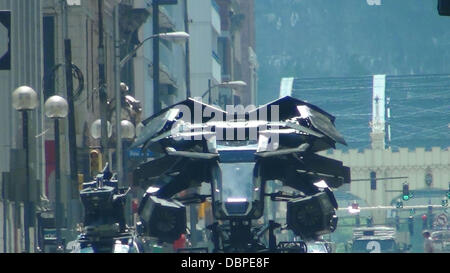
56,108
178,36
96,129
128,132
127,128
24,98
96,133
230,84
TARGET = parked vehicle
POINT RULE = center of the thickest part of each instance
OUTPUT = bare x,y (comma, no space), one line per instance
318,247
377,239
441,241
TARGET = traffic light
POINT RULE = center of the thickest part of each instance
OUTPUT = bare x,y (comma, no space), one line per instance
80,181
95,161
430,216
373,180
354,208
430,209
201,211
406,194
424,221
444,7
134,205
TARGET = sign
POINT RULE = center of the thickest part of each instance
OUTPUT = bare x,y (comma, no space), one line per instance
74,2
49,234
441,220
373,247
137,153
167,2
5,36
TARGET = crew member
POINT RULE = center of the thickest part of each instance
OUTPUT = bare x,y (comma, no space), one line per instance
427,242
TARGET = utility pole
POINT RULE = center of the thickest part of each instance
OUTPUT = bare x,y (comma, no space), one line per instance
103,97
187,60
119,167
58,204
5,206
195,235
27,204
155,21
73,185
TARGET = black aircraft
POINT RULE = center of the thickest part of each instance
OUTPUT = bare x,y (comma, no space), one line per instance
238,153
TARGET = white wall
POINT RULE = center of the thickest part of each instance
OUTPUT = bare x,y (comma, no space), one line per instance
203,41
26,69
409,163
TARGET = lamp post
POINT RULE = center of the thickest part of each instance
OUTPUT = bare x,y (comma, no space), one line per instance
96,133
96,129
178,36
128,130
128,133
56,108
24,98
231,84
155,26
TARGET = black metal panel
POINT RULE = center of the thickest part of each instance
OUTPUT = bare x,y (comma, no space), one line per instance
49,55
5,22
444,7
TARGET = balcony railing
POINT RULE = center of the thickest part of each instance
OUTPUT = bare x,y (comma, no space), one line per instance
215,17
165,56
216,57
216,68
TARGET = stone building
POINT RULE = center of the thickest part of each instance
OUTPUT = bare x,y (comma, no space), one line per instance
395,131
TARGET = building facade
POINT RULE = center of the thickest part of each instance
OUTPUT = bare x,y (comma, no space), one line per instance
25,69
204,31
38,32
237,49
173,58
395,132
